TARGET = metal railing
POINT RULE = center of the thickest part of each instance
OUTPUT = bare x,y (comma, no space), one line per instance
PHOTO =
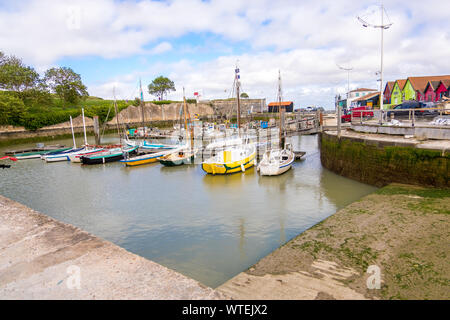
405,116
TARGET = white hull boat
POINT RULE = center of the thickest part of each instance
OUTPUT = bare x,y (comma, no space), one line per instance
276,162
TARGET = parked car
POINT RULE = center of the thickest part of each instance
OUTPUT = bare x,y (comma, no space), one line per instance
403,109
366,113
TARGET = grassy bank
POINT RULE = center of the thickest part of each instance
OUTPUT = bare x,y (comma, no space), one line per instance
402,229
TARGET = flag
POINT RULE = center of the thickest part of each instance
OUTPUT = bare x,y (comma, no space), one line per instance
195,93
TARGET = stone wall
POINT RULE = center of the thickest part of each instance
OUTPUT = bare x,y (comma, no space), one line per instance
228,107
381,162
164,112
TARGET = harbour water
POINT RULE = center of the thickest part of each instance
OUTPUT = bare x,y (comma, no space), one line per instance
207,227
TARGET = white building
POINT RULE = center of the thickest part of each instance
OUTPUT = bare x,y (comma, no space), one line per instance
356,94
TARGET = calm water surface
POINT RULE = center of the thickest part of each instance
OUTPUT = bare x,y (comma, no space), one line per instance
207,227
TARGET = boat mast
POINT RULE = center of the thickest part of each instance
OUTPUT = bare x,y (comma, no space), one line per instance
84,128
142,105
73,134
281,112
117,114
238,101
185,115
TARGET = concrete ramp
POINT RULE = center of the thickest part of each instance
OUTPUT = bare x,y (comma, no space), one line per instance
42,258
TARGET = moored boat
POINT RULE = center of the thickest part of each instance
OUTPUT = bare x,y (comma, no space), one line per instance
37,154
277,161
231,160
145,158
183,156
108,156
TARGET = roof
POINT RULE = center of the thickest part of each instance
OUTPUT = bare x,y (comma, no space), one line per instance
362,89
368,96
390,85
420,83
446,83
401,83
283,103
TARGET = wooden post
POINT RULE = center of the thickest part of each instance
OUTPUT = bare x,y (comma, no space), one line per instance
96,130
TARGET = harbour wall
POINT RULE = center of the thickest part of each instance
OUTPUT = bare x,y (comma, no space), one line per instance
380,162
42,258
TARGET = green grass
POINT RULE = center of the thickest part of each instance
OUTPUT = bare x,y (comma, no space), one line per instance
424,193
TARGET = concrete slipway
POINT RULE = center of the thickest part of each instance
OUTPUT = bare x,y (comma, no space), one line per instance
41,258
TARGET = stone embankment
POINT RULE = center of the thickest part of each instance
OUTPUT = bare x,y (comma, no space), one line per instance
42,258
379,159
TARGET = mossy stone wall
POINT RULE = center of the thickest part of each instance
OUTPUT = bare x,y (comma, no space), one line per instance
381,163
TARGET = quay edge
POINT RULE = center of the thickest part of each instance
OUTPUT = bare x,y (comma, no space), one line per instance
40,257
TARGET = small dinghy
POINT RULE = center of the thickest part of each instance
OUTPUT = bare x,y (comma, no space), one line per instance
183,156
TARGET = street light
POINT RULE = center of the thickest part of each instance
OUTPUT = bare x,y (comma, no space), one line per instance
382,27
348,77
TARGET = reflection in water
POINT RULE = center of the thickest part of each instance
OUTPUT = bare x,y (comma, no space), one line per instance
207,227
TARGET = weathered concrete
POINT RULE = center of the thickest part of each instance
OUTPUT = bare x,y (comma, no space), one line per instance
420,131
36,252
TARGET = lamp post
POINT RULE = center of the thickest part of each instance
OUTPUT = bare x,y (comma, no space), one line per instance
348,81
382,27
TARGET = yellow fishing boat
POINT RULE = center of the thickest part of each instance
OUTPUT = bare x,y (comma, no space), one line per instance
231,160
146,158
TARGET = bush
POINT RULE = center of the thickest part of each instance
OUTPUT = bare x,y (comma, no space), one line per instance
12,109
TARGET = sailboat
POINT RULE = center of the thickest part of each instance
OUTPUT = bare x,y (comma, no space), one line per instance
111,155
277,161
66,156
185,154
62,155
238,157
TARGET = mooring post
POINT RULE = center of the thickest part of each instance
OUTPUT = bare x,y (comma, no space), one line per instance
96,130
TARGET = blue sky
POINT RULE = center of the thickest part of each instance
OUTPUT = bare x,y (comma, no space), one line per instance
197,44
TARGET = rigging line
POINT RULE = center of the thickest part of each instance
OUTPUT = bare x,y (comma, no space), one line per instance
105,122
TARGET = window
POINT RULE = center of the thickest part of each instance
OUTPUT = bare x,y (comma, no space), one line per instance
357,94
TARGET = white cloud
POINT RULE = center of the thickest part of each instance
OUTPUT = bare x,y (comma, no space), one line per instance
305,39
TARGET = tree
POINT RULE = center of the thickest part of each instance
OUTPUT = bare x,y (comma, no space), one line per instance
160,86
12,109
15,76
136,102
244,95
66,84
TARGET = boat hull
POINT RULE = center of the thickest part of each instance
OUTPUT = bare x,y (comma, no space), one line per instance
103,159
271,170
230,167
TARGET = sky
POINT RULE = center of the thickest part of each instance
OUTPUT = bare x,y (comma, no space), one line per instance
197,44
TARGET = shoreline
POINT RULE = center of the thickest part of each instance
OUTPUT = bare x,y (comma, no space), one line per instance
399,228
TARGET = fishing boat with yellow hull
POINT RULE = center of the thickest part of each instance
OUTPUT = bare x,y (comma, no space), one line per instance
232,160
146,158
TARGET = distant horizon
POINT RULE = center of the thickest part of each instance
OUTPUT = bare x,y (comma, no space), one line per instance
197,44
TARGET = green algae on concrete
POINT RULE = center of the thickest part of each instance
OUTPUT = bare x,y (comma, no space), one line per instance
402,229
382,162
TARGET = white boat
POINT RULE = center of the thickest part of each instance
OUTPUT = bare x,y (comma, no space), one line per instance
276,161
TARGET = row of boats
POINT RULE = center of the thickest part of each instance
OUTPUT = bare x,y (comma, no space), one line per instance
229,156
